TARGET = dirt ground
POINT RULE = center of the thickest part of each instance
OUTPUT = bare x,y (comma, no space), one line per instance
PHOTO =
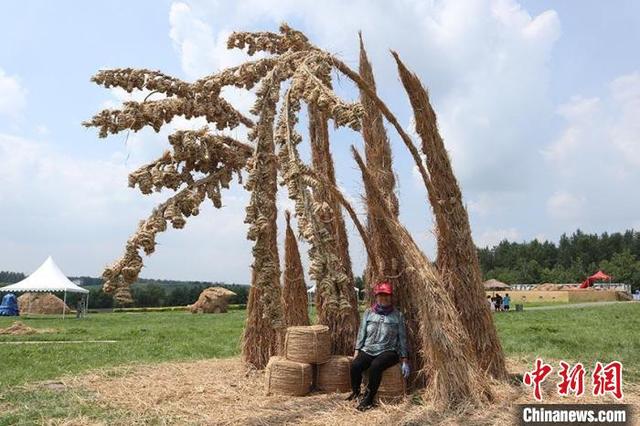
225,392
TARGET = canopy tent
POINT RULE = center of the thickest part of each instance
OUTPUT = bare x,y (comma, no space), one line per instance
48,278
598,276
494,284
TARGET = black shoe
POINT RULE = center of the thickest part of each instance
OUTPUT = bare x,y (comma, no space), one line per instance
365,395
365,404
353,396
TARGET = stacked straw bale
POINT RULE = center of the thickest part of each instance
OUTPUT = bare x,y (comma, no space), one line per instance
310,344
285,377
334,375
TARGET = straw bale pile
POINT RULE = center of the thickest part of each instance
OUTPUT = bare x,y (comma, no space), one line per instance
212,300
41,303
334,375
310,344
285,377
18,329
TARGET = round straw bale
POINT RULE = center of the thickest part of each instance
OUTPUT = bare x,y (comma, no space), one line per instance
334,375
392,388
286,377
310,344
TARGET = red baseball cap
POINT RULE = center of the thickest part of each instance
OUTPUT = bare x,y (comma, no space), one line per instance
383,288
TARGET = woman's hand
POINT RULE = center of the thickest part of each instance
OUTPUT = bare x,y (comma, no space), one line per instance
405,368
355,354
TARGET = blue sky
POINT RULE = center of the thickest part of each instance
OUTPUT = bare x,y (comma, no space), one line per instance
538,102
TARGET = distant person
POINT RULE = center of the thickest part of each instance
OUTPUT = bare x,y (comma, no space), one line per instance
489,301
493,303
498,302
506,301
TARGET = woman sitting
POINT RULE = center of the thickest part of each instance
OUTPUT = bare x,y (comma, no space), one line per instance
381,343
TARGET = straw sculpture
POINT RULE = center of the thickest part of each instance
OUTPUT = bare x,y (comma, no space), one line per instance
285,377
261,215
457,258
41,303
322,162
294,292
212,300
334,375
445,346
392,387
310,344
451,337
379,160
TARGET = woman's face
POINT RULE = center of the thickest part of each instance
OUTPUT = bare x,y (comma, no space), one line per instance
383,299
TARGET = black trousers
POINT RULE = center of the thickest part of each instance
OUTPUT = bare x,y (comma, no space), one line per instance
376,365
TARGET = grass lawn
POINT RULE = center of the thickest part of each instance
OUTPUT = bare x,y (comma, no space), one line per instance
574,334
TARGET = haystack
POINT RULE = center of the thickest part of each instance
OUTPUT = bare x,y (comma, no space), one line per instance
334,375
18,329
308,344
212,300
285,377
41,303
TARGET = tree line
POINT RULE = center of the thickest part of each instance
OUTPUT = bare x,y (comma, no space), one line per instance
571,260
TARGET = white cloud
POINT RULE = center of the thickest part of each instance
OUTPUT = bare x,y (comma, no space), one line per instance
594,161
13,97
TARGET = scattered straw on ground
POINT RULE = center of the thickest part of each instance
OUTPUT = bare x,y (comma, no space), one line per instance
20,329
225,392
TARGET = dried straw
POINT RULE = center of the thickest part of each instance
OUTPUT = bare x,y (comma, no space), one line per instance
445,346
259,337
334,375
41,303
310,344
261,215
294,292
323,166
285,377
457,259
379,162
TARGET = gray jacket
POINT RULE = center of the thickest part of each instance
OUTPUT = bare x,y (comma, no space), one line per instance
380,333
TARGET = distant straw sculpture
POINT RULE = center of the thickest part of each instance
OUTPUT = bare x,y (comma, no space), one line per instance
457,259
294,292
379,162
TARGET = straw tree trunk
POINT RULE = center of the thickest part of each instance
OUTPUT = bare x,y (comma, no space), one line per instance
265,322
322,162
457,259
294,291
379,162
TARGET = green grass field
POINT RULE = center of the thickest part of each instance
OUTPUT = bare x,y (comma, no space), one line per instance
576,334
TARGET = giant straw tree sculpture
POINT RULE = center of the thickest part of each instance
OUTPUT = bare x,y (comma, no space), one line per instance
291,73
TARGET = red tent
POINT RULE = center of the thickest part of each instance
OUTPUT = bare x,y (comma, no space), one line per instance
598,276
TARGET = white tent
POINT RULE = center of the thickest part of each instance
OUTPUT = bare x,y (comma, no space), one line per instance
47,278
